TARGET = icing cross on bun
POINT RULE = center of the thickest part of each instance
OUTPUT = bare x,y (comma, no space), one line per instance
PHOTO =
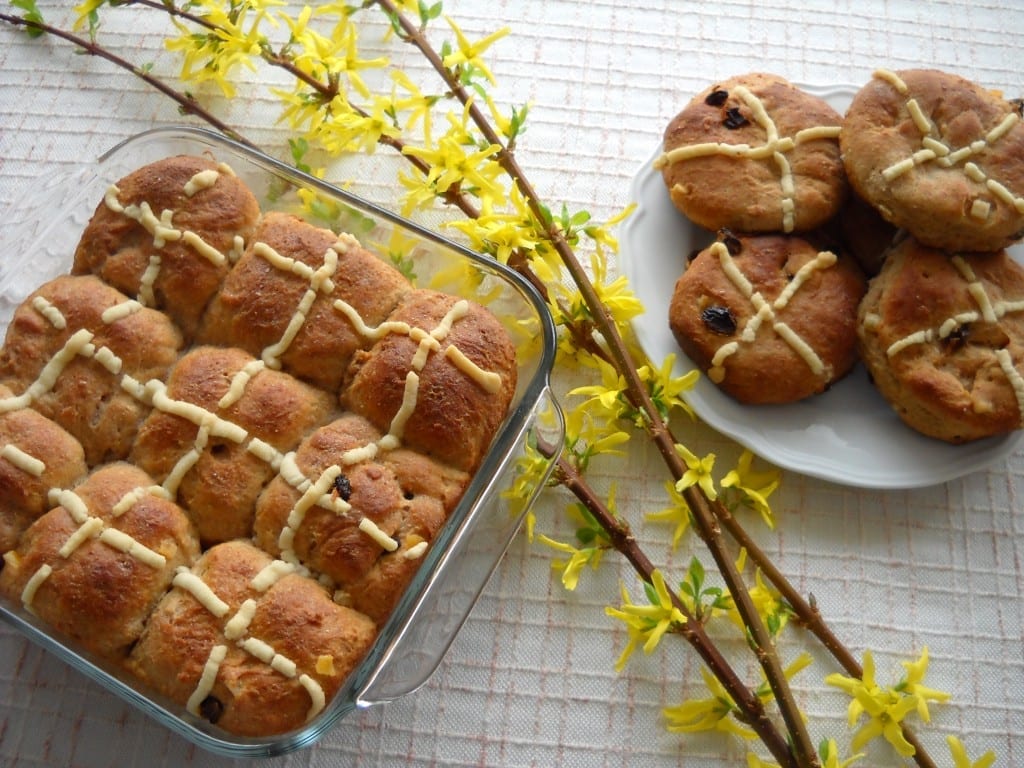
942,336
769,318
249,643
36,454
300,297
459,377
754,154
361,516
167,234
96,564
218,431
74,351
939,156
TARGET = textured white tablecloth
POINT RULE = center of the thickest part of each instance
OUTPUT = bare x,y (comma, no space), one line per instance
530,679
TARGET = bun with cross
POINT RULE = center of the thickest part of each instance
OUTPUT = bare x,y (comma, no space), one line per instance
938,156
754,153
768,318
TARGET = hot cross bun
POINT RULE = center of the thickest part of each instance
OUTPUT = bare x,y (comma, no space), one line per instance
97,563
167,234
939,156
754,153
250,643
769,318
356,512
440,381
218,429
303,299
74,351
942,335
36,455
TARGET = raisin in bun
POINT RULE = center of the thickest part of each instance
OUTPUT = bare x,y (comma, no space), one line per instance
754,153
167,234
768,318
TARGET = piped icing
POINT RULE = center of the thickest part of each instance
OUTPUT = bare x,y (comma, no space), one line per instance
766,312
775,148
935,150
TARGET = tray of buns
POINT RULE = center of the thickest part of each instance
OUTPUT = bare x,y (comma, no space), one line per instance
259,437
783,247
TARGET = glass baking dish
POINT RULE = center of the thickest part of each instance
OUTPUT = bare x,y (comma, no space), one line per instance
38,236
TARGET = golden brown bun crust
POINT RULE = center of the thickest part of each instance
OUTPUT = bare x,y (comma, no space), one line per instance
950,199
23,493
746,194
100,595
711,313
87,399
944,378
455,416
118,248
220,489
406,495
259,299
294,617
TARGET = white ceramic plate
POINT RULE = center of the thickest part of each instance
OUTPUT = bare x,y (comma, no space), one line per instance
848,435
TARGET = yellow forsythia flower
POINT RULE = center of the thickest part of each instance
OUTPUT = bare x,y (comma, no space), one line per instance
698,472
468,54
960,758
885,708
711,714
646,624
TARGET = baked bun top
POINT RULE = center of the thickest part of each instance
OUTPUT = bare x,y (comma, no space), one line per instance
302,298
939,156
96,564
249,643
943,338
71,348
769,318
754,153
167,234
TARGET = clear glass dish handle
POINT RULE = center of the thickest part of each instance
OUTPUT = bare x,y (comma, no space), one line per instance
416,651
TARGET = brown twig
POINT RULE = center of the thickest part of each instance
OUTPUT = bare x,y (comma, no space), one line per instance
751,708
808,615
701,507
187,104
